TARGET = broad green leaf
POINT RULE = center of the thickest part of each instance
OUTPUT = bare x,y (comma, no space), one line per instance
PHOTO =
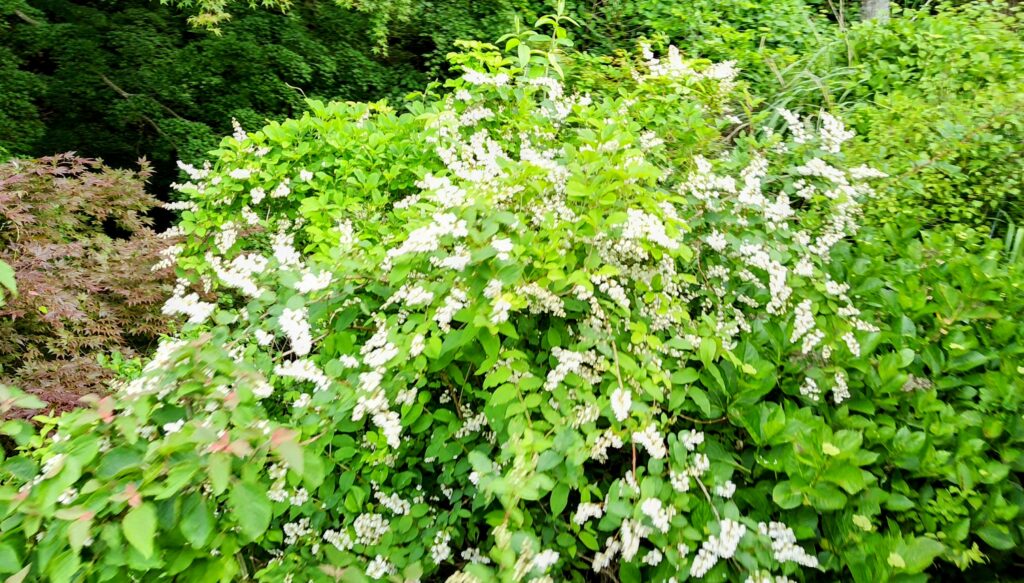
920,554
196,521
250,508
140,527
9,561
559,498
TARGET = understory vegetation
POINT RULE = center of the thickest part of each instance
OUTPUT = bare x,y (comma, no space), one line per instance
503,291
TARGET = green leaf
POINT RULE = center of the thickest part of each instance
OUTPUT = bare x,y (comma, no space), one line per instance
847,477
589,540
967,361
523,51
140,527
219,467
786,496
251,509
503,394
7,278
64,567
9,561
78,533
559,498
118,460
290,453
920,554
196,521
826,497
997,536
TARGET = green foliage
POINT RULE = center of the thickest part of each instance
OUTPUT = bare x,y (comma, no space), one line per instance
564,316
436,332
764,38
936,98
939,412
939,101
128,79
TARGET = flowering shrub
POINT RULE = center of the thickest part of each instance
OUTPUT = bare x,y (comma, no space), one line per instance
515,333
82,293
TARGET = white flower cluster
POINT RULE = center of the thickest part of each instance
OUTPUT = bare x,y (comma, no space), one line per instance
721,546
641,225
440,551
784,547
622,400
604,442
586,511
189,305
295,325
303,370
661,517
583,364
651,440
370,528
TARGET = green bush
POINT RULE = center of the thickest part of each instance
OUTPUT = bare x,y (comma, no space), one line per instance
936,98
940,405
523,332
440,330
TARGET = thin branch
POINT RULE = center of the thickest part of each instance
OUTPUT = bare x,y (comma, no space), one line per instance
127,95
26,18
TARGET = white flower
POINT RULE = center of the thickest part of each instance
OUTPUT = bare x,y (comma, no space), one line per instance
691,439
784,546
257,195
262,389
370,528
263,338
833,133
587,510
294,325
852,344
303,370
341,540
189,305
240,173
299,497
652,441
171,428
622,400
716,241
503,247
726,489
722,546
544,560
660,516
440,551
500,311
796,126
810,389
380,567
311,283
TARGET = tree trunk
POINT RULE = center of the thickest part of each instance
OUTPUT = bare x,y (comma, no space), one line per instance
874,10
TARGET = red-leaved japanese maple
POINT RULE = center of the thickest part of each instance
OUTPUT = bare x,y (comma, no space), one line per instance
77,234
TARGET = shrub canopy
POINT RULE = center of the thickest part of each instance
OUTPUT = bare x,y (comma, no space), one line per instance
518,332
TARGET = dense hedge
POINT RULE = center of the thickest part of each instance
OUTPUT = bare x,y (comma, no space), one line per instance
522,332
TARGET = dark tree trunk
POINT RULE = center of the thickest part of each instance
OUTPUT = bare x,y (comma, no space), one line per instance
874,10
